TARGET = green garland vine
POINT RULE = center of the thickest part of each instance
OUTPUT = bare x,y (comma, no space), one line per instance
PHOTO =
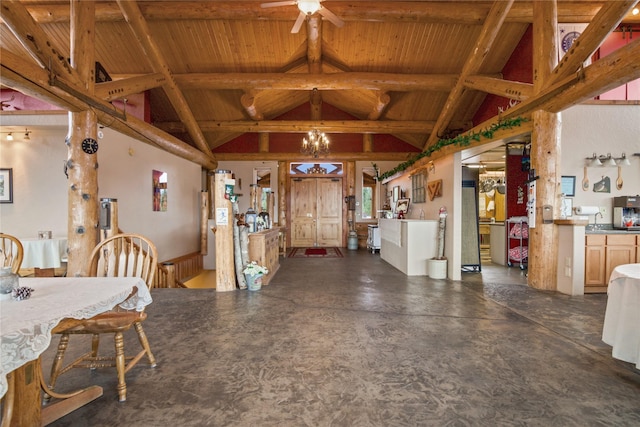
461,140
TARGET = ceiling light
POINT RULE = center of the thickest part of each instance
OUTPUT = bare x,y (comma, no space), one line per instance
635,11
316,144
10,137
309,6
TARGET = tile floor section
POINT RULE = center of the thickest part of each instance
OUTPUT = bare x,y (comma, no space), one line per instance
353,342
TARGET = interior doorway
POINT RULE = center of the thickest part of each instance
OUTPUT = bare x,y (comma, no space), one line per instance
316,212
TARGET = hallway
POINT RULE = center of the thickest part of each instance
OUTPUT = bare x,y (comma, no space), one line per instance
353,342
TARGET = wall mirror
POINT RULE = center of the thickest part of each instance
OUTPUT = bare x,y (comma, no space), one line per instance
368,196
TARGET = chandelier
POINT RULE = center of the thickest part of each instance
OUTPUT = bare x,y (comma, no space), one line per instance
315,143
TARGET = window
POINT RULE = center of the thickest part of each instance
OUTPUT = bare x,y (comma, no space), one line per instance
368,193
418,193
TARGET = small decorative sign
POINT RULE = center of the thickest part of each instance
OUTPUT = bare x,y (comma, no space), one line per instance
435,189
222,216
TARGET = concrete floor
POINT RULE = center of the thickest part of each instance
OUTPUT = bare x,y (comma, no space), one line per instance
353,342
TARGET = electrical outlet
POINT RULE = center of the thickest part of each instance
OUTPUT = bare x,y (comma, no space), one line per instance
603,210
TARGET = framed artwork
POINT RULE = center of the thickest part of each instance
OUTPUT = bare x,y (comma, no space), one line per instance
6,185
568,185
402,205
159,191
567,208
396,194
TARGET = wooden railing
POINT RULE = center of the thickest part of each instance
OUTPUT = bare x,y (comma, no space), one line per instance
174,272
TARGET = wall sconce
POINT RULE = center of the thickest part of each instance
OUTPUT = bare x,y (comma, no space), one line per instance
26,135
10,137
623,161
608,160
594,160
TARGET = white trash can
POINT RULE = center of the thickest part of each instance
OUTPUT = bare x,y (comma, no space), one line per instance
437,268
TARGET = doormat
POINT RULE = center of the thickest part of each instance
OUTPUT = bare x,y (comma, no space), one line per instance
315,253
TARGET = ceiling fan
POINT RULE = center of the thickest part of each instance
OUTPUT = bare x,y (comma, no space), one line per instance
307,8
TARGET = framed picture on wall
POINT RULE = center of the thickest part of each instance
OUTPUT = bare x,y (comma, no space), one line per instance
6,185
568,185
396,194
402,205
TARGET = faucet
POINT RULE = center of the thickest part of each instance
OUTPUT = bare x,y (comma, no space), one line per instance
595,220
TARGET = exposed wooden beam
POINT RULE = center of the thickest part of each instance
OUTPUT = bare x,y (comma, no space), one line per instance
33,38
382,102
614,70
605,21
24,76
303,126
483,45
140,28
125,87
331,157
468,13
248,101
327,81
508,89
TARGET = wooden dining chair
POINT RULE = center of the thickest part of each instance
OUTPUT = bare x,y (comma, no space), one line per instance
11,252
122,255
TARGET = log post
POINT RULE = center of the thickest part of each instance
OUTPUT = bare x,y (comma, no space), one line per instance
82,166
545,152
282,193
263,142
211,189
225,267
204,223
367,143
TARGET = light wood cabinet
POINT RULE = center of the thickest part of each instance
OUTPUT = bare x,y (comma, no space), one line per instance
603,253
264,249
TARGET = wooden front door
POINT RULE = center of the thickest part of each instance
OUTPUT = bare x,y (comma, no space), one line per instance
316,212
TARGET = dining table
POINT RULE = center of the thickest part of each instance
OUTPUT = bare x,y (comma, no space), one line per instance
27,326
621,329
43,253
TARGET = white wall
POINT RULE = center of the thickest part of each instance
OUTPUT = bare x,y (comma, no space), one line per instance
601,129
125,168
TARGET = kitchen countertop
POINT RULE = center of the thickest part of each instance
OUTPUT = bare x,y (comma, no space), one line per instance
607,229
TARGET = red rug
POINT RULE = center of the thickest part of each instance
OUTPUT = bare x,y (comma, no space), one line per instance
315,253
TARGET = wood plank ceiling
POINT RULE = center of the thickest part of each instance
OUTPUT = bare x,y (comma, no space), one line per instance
237,66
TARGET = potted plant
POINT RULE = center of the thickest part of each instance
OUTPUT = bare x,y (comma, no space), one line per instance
254,272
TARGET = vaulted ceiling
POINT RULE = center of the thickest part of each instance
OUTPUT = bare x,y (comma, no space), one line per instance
218,71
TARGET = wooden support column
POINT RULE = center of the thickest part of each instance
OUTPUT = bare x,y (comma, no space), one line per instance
82,167
263,142
225,267
283,176
204,222
367,143
545,152
211,189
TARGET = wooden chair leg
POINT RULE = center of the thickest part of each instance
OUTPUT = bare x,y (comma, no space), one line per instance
120,366
7,401
144,342
56,367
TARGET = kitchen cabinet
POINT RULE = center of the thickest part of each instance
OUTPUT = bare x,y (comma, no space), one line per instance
603,253
264,249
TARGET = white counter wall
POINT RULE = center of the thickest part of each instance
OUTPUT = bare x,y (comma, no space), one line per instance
407,244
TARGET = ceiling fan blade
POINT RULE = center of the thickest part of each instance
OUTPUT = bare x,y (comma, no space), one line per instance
331,17
299,22
278,4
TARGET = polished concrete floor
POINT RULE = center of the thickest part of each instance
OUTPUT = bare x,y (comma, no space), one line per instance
353,342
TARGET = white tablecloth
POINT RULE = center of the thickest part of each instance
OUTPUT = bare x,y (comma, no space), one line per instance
25,326
621,328
43,253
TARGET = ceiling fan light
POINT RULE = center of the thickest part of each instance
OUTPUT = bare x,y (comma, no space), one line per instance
309,7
